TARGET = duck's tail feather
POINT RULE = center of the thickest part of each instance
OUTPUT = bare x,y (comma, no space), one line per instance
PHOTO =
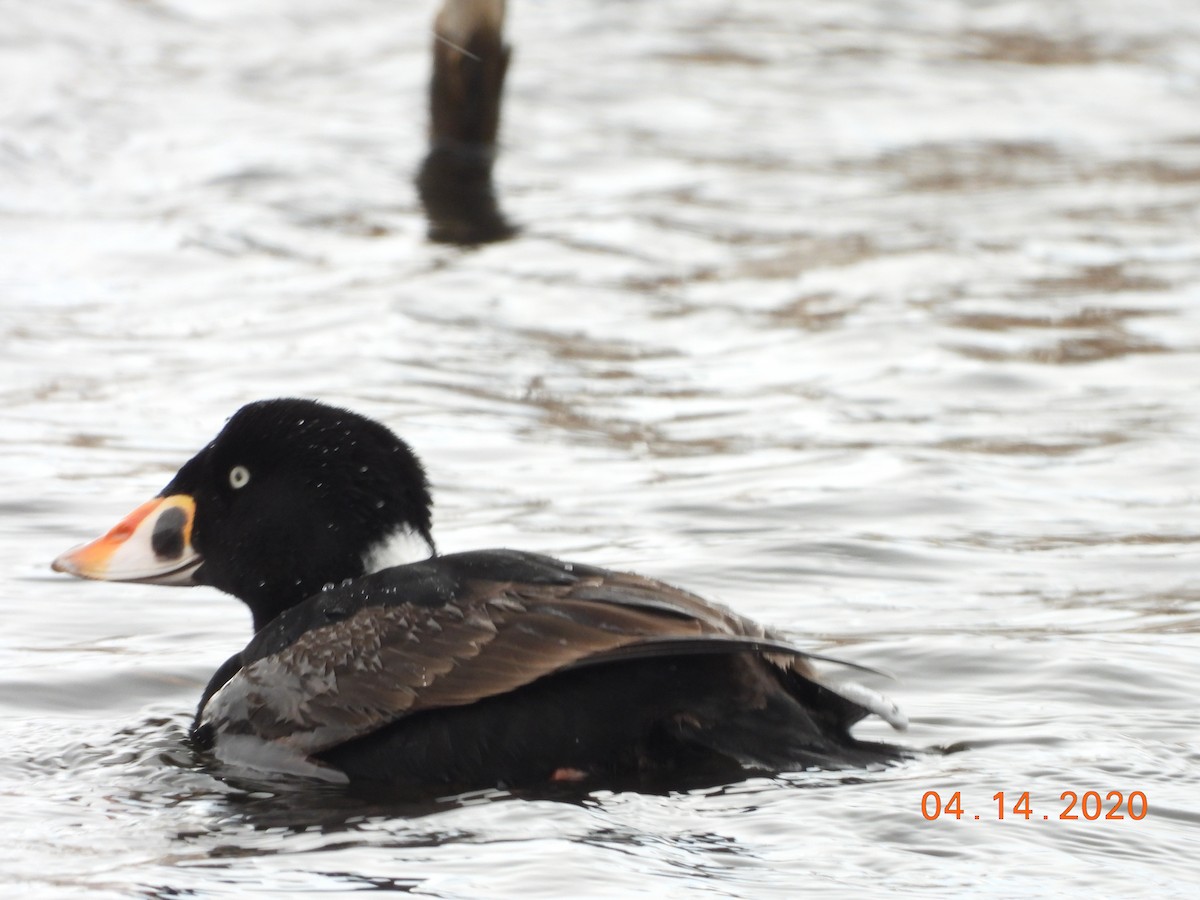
805,726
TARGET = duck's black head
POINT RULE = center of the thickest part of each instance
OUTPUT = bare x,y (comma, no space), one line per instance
290,496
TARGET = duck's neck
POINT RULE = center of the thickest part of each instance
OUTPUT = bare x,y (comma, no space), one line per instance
402,546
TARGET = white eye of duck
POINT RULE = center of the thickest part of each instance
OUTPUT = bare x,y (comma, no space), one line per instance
239,477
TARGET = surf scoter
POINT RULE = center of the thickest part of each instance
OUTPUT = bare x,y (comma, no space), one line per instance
375,660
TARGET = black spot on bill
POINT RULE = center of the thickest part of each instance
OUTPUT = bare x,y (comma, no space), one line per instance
167,537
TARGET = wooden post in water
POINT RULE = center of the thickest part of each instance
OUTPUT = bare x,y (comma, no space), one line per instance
470,60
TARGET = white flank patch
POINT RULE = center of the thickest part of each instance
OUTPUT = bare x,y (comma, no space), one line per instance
248,752
401,547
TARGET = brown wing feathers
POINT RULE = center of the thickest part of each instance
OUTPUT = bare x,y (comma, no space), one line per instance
347,678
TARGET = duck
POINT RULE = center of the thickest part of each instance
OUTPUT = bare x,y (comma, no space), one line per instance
378,662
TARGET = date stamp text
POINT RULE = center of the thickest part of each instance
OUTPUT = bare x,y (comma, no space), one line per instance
1072,806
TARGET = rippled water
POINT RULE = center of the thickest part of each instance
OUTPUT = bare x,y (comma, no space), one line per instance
876,320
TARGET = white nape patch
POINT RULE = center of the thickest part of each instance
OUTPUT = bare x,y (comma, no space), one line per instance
874,701
401,547
245,751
